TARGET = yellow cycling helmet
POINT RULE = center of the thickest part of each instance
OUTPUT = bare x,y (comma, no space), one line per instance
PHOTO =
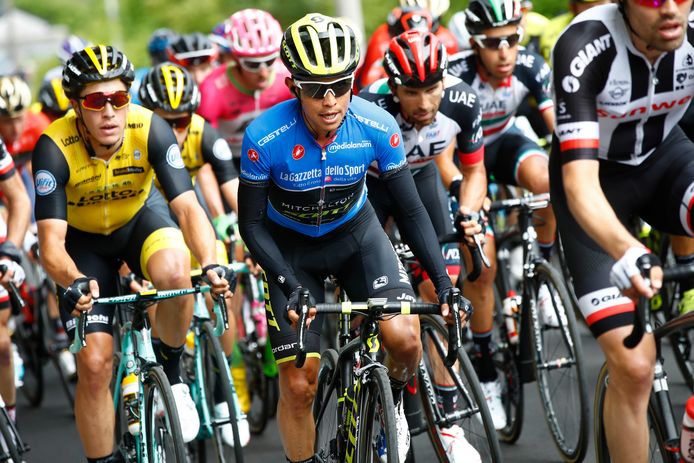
319,46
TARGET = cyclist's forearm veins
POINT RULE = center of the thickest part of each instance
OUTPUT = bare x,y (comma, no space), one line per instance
420,231
252,208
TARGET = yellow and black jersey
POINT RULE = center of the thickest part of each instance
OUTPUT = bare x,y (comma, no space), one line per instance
204,145
100,196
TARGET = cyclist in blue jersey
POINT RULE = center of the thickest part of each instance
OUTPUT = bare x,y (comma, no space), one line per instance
304,216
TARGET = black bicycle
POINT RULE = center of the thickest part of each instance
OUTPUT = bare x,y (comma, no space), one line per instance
663,424
533,346
353,408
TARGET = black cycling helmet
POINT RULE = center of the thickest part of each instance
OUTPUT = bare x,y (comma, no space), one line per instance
169,87
487,14
319,46
96,64
415,59
406,18
52,97
158,43
192,49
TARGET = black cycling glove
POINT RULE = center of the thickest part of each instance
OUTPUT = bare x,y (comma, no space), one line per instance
463,304
77,289
9,250
293,301
224,272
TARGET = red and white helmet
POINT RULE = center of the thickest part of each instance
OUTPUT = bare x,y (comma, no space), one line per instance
254,33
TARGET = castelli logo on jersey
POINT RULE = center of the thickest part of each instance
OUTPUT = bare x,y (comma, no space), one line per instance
395,140
253,155
298,152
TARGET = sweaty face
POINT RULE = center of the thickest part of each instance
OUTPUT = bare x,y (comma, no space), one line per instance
663,28
12,127
104,127
419,106
499,62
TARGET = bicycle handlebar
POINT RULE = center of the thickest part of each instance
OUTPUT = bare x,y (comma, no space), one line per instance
531,202
642,323
375,307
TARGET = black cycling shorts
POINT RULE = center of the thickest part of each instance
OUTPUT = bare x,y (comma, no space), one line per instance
660,191
503,156
100,256
435,200
358,253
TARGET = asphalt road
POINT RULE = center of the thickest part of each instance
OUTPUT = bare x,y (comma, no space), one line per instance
51,433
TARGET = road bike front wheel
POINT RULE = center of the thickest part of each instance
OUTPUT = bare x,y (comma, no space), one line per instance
217,377
471,413
9,449
559,364
325,410
162,426
376,434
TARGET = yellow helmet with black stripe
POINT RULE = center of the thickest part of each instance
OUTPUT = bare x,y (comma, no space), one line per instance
169,87
96,64
319,46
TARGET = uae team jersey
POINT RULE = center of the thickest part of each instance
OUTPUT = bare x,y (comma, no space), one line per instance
314,189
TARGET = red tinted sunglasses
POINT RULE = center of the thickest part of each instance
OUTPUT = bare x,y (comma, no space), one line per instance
179,123
97,101
655,3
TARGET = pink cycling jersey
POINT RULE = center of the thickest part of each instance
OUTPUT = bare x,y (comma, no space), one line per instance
230,108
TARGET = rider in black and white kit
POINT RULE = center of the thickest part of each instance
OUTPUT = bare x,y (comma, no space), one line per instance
623,77
437,114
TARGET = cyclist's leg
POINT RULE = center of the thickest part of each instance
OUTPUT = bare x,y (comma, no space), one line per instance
159,253
94,413
530,171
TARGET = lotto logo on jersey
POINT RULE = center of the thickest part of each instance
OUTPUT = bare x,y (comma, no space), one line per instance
253,155
395,140
298,152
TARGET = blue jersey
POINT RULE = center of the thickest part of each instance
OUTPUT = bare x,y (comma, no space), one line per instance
314,189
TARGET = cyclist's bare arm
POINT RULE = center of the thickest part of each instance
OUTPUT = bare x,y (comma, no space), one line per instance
18,208
210,190
196,228
54,257
548,117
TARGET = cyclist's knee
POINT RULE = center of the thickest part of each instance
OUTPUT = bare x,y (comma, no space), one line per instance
402,340
95,369
633,375
171,272
298,388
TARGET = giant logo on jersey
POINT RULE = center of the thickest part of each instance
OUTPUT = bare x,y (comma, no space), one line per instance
585,56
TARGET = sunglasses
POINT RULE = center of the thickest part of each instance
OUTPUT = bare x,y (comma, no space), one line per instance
507,41
179,123
257,64
655,3
319,90
97,101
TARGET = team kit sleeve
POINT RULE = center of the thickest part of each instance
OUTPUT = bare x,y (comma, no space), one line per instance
577,80
469,140
216,152
7,168
540,82
254,186
165,157
51,175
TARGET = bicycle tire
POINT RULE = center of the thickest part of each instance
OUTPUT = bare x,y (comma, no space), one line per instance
157,388
258,385
8,446
327,447
657,452
559,367
216,367
477,425
375,398
27,338
506,362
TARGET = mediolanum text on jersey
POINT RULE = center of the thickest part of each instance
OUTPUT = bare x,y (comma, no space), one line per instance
585,56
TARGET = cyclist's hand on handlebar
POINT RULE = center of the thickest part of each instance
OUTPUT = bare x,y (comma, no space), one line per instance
78,296
627,275
11,271
221,278
470,224
292,309
464,307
